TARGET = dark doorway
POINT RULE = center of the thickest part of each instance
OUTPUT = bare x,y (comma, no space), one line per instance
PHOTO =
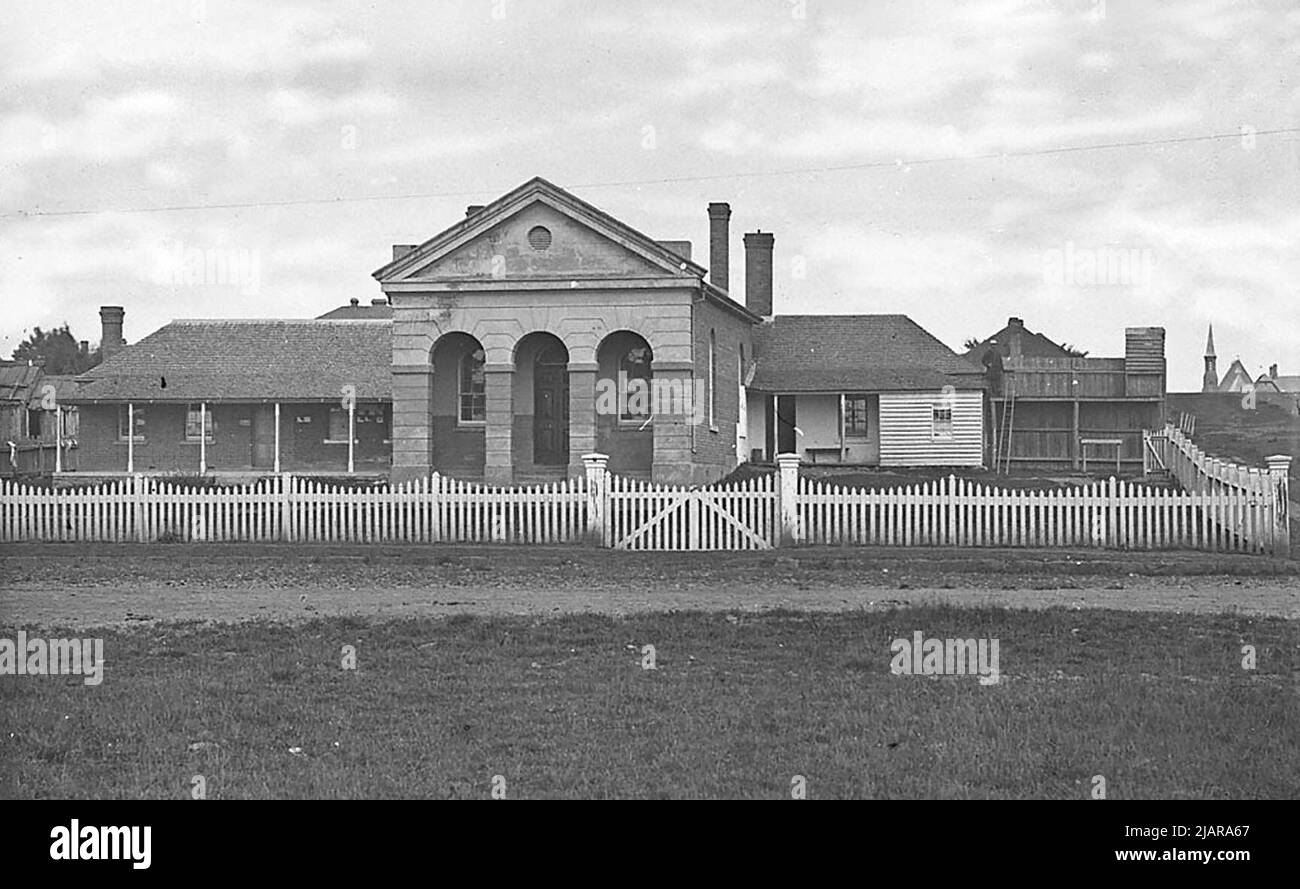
263,436
551,407
785,420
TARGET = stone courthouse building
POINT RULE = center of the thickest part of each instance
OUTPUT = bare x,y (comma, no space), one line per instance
510,326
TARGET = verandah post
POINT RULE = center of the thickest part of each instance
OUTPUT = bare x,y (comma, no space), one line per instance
788,498
1278,468
596,496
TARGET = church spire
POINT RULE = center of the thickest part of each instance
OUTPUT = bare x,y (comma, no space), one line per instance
1210,382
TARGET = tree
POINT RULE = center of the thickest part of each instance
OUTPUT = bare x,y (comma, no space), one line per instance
1073,352
971,342
58,350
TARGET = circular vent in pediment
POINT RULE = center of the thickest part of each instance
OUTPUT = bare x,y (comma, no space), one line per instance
539,237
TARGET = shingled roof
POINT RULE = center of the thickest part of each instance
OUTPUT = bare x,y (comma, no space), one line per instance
298,360
854,353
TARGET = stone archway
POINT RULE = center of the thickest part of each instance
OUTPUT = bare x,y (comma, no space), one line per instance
541,402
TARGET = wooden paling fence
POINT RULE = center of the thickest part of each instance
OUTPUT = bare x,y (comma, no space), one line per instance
1225,511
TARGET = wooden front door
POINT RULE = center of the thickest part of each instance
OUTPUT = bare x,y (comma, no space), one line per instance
263,435
551,408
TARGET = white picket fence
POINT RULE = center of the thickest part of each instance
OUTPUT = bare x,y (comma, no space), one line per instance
1263,493
1245,514
958,512
284,508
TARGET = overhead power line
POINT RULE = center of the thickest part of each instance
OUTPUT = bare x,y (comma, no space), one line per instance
623,183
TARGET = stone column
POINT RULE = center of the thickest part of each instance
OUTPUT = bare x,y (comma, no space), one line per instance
788,498
594,465
582,413
498,461
412,429
1279,465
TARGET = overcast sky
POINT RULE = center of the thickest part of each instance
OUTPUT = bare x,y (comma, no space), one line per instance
112,107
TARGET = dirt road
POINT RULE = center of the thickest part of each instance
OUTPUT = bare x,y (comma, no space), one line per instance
81,587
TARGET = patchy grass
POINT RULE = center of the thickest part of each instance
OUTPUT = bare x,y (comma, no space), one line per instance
738,706
1227,430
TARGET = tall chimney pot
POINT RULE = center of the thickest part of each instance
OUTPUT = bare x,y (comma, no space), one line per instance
110,320
758,273
720,245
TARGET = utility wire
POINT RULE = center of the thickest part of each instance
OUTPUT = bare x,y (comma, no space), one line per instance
800,171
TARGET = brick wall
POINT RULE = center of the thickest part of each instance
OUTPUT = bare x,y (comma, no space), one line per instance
164,449
715,451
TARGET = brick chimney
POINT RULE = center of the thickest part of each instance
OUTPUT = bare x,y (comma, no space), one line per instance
758,273
1272,371
720,245
110,319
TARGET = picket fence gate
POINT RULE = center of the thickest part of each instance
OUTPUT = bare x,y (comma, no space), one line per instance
1227,512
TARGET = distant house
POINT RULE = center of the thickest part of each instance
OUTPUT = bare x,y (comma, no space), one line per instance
1279,389
874,390
241,396
1051,407
37,429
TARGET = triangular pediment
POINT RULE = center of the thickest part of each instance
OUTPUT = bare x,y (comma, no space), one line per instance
538,231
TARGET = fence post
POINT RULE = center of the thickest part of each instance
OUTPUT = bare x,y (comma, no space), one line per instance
596,497
137,508
1278,467
1112,514
286,507
788,498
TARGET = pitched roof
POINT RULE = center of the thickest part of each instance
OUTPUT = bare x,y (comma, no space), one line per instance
1022,341
1235,377
17,380
852,353
297,360
65,386
358,312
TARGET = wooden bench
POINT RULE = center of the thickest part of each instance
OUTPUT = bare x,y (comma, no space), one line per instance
816,455
1116,443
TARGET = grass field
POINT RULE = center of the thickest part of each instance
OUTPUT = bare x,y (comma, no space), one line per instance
737,706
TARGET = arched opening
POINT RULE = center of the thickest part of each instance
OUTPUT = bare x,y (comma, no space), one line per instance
541,402
624,402
458,405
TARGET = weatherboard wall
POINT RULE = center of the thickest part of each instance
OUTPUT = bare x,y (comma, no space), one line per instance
907,433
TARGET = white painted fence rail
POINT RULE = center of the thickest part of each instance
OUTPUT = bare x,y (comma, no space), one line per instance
1262,494
602,509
